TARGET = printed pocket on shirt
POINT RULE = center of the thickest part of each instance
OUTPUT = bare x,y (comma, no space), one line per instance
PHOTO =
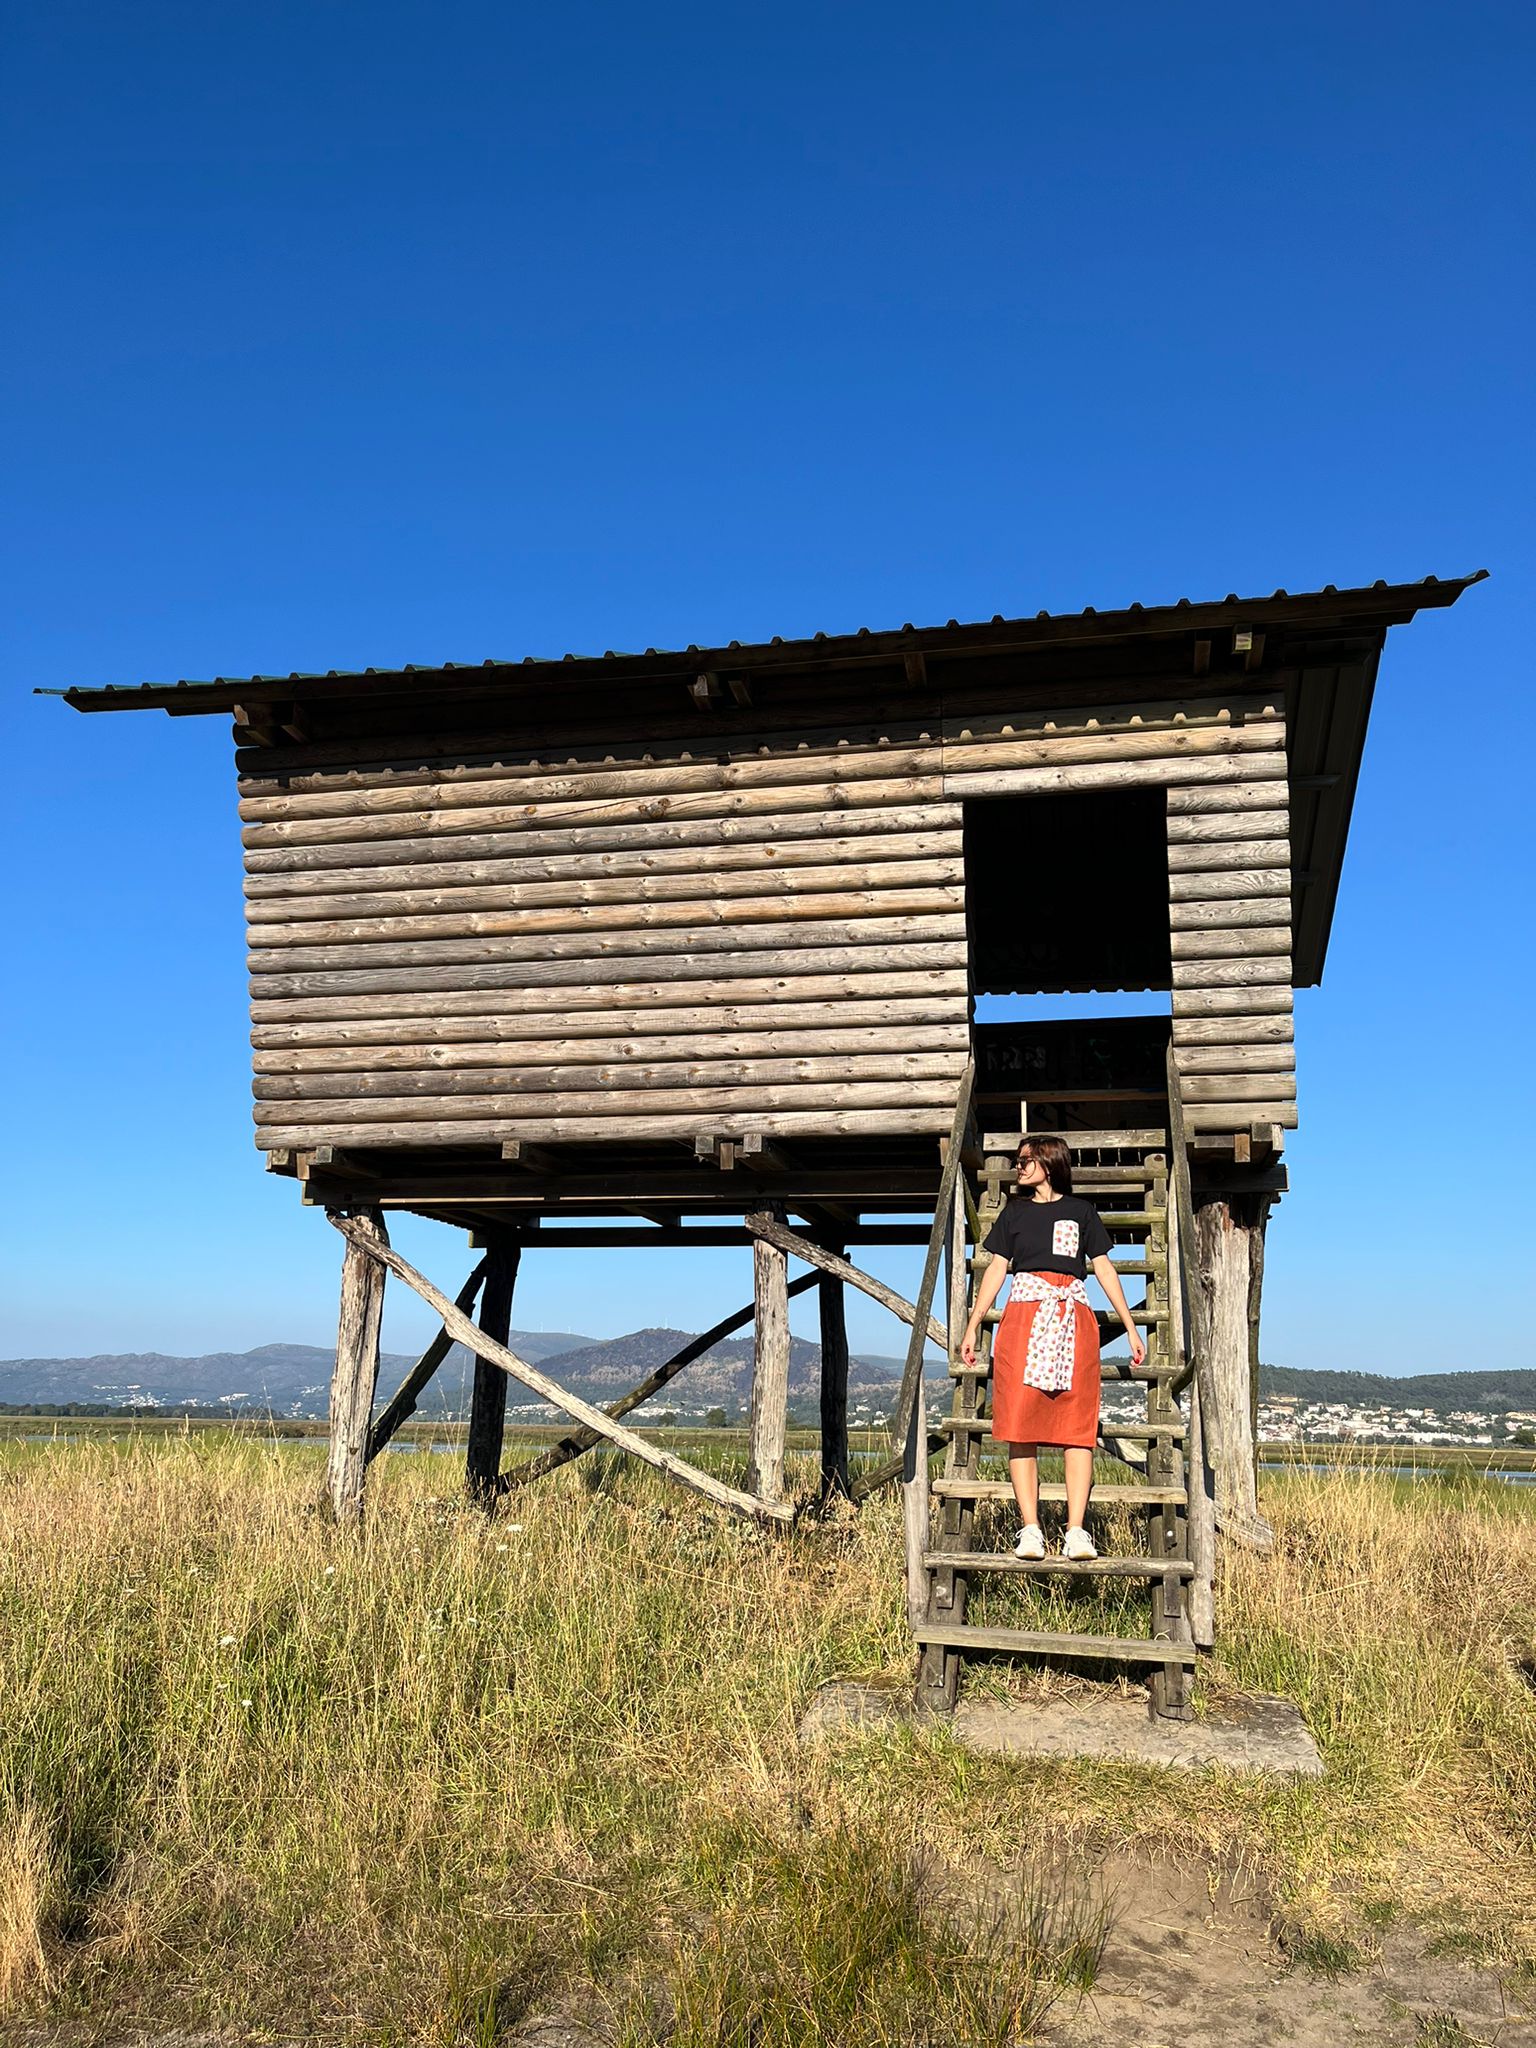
1065,1238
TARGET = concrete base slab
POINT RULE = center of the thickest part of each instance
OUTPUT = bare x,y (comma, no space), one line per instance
1259,1732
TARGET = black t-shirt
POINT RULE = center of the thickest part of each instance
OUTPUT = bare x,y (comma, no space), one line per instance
1048,1237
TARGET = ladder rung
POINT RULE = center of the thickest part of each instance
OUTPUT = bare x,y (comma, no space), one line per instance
980,1425
1109,1369
1040,1643
1054,1490
1138,1315
1059,1567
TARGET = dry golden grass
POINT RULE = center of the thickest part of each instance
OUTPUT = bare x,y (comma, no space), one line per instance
255,1772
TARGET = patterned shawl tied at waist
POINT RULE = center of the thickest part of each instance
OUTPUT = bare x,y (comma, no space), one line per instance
1052,1331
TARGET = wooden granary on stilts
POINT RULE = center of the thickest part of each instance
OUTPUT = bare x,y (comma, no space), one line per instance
683,947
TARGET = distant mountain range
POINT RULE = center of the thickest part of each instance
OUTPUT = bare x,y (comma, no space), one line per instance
294,1379
1490,1389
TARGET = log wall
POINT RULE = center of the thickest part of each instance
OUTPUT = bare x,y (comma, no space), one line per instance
747,932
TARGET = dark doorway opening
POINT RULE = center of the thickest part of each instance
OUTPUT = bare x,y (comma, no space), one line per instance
1068,892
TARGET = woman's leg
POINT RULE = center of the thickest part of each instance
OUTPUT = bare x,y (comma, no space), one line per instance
1079,1464
1024,1472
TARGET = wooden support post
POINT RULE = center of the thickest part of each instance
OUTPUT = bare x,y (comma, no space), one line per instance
770,1366
915,1509
357,1369
1227,1231
1199,1479
835,1480
488,1401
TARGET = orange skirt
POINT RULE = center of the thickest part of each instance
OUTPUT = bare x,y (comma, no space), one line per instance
1029,1415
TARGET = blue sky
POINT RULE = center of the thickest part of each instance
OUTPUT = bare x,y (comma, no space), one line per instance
342,335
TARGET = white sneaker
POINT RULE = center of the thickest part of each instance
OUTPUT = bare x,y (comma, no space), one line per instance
1078,1545
1029,1543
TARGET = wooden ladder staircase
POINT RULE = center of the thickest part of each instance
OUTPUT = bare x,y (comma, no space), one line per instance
1140,1467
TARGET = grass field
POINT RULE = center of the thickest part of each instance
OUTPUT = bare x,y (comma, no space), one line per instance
257,1774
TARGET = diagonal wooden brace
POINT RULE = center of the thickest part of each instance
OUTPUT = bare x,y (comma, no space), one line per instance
469,1334
581,1440
799,1247
403,1406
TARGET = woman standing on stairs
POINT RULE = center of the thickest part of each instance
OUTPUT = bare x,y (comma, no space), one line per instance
1045,1361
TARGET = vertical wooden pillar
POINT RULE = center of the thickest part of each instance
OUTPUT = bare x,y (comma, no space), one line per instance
1229,1242
1199,1479
357,1371
488,1401
835,1479
770,1366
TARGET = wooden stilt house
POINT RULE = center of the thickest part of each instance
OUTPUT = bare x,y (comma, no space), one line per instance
685,946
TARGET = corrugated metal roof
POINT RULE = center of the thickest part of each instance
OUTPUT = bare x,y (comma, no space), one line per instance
1379,602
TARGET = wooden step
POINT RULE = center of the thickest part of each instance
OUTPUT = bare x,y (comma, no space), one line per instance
1029,1642
1126,1268
1140,1140
1146,1432
1059,1567
1133,1496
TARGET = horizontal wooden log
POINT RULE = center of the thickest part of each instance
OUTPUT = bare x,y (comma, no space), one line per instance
1261,792
469,1334
1239,1116
923,1022
1191,1032
450,787
635,808
1244,942
895,1069
1212,885
1157,773
1209,973
1230,913
614,1054
443,790
1231,1002
912,1120
1226,1088
732,970
1005,718
1188,830
885,895
703,1102
1224,856
362,912
457,883
1235,1059
870,926
736,841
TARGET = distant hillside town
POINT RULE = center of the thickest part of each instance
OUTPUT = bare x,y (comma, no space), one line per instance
290,1381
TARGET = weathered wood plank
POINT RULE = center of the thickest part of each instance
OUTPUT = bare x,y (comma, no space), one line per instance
1218,856
1239,1115
1262,792
513,905
1246,942
1230,913
834,798
619,1123
722,1100
897,952
905,1041
1218,885
612,998
1189,1032
1193,829
1236,1059
923,1025
1134,774
1277,1087
768,1074
608,846
572,1404
1189,1002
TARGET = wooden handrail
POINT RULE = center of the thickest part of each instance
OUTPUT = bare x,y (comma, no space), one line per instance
938,1237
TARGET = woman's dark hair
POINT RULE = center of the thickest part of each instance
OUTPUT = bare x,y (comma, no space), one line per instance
1051,1152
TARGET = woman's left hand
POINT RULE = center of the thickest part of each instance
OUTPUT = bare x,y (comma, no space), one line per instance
1138,1348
